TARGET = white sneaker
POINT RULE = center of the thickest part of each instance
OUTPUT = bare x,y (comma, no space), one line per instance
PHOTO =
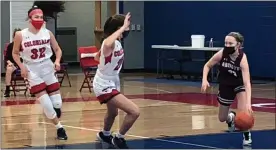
231,125
247,141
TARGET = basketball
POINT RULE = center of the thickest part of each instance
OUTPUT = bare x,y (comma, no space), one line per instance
244,121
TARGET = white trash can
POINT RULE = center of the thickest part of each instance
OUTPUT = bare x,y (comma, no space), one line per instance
198,41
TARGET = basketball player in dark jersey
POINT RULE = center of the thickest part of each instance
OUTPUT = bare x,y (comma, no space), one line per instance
234,80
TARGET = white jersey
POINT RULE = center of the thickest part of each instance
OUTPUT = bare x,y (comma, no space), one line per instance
36,47
111,65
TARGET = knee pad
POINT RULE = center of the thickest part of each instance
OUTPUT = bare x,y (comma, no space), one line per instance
46,103
56,100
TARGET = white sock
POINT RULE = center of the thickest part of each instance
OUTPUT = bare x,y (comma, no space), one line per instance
58,125
230,117
118,135
106,133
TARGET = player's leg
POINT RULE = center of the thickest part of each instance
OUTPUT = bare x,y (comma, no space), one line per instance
241,97
52,88
9,70
104,93
105,135
132,113
225,98
38,88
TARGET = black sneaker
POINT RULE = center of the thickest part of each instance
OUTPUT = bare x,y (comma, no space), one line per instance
103,138
7,94
231,125
61,134
58,112
119,143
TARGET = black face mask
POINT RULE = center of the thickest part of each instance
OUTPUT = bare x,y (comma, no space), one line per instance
125,34
229,50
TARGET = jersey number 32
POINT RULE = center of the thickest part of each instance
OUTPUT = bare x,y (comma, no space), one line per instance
38,53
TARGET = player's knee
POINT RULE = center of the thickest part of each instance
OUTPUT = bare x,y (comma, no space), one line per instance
135,112
9,70
56,100
49,111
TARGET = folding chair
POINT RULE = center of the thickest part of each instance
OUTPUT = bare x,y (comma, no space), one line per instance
89,66
18,83
62,73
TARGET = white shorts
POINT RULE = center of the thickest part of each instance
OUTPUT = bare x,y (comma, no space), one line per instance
106,87
41,76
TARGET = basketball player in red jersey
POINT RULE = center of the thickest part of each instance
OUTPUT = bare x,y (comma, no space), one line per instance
234,81
106,83
38,68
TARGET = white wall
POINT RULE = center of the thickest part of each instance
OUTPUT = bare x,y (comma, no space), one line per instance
19,14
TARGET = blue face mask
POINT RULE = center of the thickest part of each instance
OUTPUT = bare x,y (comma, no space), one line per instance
125,34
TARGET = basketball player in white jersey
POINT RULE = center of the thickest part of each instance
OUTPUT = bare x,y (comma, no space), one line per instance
38,68
106,83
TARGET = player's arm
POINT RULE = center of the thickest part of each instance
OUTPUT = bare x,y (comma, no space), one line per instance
109,42
16,49
214,60
246,78
55,47
97,57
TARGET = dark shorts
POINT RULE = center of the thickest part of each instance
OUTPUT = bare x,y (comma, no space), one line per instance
227,94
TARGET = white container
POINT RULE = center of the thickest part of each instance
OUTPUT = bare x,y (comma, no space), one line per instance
198,41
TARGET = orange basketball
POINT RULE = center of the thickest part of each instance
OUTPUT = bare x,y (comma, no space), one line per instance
244,121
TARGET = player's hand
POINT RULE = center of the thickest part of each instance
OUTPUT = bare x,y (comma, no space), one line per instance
57,66
127,20
204,86
24,72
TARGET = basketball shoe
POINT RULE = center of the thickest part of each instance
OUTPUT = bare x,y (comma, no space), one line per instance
231,124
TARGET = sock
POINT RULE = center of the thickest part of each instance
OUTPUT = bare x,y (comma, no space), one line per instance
246,135
58,111
118,135
58,125
106,133
230,117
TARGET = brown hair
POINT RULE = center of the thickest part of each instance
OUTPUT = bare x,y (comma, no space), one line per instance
239,37
15,30
112,24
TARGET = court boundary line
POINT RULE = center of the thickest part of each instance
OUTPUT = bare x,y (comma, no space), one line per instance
130,135
22,123
142,137
156,89
255,88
